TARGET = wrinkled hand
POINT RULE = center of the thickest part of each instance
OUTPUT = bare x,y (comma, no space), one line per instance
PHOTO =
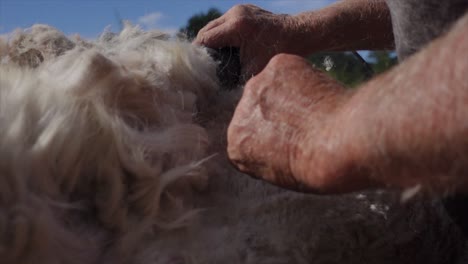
258,33
282,129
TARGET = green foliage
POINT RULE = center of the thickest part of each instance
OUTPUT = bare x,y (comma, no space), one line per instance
342,66
198,21
347,68
382,60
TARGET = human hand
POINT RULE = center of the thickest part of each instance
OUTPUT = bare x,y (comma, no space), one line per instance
258,33
283,129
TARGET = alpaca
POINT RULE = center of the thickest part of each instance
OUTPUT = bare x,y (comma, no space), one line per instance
112,151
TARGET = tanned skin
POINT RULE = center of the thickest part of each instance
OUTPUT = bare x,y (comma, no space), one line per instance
346,25
298,128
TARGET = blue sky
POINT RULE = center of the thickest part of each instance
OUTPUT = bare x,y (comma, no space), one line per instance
89,17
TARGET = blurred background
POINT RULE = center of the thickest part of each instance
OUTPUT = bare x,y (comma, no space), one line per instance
89,18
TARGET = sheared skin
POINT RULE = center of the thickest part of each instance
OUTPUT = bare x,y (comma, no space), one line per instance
298,129
260,35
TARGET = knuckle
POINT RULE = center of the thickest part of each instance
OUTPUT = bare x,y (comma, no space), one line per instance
240,8
235,10
200,39
238,22
273,64
242,22
285,60
241,17
282,57
250,86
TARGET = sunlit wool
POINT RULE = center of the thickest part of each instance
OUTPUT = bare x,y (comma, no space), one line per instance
106,156
103,129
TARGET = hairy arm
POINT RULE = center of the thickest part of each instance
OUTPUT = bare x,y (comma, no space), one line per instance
259,34
345,25
409,126
297,128
412,123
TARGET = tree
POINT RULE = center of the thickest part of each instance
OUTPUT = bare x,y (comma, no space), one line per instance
350,69
382,60
342,66
198,21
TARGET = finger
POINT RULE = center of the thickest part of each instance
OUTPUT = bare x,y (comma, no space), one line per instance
212,24
220,22
223,35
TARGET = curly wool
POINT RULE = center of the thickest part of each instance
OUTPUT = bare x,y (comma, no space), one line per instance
105,158
96,130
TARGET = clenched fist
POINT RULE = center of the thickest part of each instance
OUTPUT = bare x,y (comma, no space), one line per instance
283,129
258,33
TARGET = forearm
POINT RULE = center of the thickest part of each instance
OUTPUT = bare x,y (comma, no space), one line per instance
410,126
345,25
